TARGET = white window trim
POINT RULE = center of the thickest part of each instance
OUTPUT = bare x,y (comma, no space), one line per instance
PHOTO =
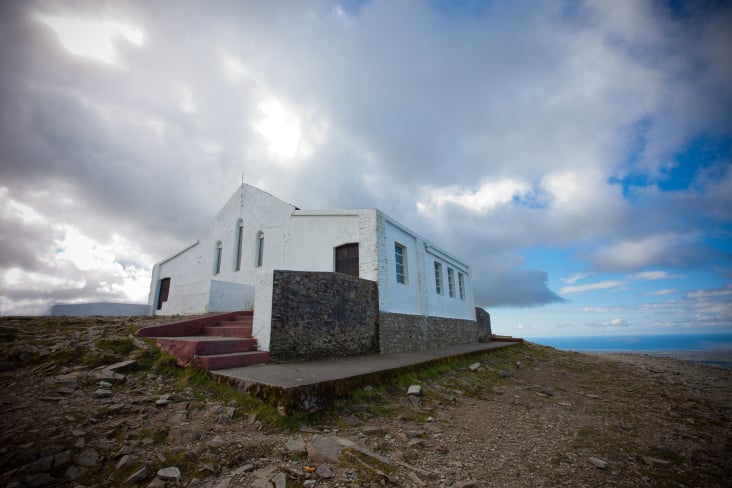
404,274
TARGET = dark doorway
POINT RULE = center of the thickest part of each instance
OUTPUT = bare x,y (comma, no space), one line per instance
163,293
346,259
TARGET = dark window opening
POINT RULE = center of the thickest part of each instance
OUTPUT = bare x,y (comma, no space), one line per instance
239,239
163,292
217,270
260,249
346,259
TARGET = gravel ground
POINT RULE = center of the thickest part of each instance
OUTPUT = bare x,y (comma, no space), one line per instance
77,412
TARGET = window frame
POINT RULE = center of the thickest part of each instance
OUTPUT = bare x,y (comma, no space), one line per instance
218,256
260,249
239,244
461,285
451,281
439,289
400,260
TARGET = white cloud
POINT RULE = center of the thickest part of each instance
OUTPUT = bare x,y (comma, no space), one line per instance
615,323
652,275
487,197
601,285
664,292
651,250
575,278
92,38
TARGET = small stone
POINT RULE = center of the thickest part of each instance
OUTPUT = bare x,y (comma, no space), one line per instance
217,442
415,390
651,461
518,364
102,393
65,390
105,384
324,449
296,446
122,365
324,472
124,450
37,480
279,480
226,415
137,476
88,458
80,443
598,463
464,484
38,466
414,442
75,472
474,367
126,461
62,459
171,473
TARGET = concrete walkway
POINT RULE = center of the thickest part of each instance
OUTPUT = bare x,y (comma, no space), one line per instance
310,385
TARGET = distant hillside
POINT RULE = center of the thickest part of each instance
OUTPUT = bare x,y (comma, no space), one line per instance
100,308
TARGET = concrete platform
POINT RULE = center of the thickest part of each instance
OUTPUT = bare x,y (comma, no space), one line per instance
312,385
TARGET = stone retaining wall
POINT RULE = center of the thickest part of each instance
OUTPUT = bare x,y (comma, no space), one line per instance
323,315
484,325
402,332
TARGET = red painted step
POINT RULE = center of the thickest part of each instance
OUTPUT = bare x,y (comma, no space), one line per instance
210,342
233,360
228,331
185,348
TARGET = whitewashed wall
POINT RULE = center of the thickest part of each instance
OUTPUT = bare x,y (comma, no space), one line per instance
418,296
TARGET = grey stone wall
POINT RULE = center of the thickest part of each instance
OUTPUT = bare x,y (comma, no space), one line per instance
484,325
401,332
323,315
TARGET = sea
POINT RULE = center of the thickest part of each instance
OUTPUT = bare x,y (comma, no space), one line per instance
712,349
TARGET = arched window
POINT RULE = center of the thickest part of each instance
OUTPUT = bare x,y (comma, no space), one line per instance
239,242
217,267
260,249
346,259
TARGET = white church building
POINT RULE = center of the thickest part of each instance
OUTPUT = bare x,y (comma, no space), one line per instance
233,266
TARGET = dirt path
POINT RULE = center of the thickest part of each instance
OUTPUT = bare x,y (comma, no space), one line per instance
525,416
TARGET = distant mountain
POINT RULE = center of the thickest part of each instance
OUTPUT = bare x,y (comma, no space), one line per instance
100,308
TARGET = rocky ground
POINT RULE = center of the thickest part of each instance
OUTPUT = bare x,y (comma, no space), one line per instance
84,403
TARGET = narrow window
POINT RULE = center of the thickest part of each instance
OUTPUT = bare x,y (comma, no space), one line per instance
461,285
260,249
438,278
239,242
401,263
217,268
163,292
451,282
346,259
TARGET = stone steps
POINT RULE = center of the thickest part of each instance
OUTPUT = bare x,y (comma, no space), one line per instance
234,360
212,342
229,331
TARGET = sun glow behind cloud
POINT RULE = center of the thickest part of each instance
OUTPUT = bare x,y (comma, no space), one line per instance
282,129
91,38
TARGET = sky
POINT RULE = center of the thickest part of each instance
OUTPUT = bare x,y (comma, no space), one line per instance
578,155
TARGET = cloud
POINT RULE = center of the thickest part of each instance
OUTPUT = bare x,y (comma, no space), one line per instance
652,275
610,324
668,249
664,292
600,285
490,132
